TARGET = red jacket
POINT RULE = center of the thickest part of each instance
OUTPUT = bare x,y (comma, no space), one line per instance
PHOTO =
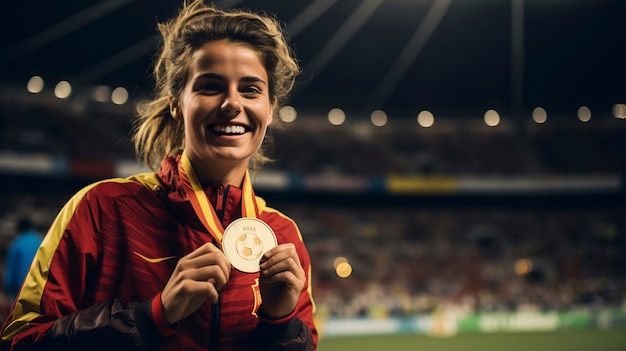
98,275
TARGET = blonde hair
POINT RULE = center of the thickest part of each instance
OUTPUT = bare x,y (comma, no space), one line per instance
156,134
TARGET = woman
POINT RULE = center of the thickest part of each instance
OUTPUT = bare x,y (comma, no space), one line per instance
150,262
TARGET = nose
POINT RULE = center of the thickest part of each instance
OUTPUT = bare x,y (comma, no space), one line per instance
231,106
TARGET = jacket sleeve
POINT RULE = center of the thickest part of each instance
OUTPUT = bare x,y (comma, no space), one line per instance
109,325
53,310
296,331
290,335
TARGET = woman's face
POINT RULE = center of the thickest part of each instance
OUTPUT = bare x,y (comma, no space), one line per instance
225,105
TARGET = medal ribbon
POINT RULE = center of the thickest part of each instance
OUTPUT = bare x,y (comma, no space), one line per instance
200,202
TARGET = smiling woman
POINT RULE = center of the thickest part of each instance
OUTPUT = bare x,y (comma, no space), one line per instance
225,108
149,248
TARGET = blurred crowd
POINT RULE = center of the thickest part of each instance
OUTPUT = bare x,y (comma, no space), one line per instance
411,261
409,149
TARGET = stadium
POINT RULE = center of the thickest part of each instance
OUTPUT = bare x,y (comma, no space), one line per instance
457,168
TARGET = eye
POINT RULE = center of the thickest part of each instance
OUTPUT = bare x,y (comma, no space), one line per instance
209,88
251,91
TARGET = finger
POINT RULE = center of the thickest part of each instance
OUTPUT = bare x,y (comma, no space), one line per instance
286,277
279,253
202,250
283,270
283,262
214,291
213,273
205,255
209,259
215,259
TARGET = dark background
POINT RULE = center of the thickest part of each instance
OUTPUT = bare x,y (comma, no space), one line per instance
570,53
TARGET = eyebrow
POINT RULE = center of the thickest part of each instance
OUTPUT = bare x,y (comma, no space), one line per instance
250,79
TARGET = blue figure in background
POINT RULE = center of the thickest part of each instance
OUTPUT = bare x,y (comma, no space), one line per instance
20,255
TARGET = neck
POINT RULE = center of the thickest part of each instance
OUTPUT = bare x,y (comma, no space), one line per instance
223,173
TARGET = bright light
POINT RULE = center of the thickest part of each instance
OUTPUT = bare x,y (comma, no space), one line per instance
287,114
344,270
584,114
339,260
540,115
492,118
119,96
523,266
425,119
619,111
336,116
35,85
378,118
63,89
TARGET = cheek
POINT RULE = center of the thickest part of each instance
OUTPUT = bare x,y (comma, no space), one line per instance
193,111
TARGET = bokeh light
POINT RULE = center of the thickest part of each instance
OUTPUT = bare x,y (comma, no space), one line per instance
540,115
523,266
425,119
344,270
63,89
492,118
119,96
35,85
287,114
336,116
584,114
378,118
619,111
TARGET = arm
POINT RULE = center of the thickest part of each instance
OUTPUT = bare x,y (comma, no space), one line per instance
112,324
287,309
52,310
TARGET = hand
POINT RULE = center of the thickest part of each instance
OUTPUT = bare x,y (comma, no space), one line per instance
281,280
197,277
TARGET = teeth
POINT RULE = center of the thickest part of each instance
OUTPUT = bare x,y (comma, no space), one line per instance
229,129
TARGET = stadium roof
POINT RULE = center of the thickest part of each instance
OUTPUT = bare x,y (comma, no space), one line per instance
459,57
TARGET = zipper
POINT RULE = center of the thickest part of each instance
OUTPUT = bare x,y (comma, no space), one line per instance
220,204
215,326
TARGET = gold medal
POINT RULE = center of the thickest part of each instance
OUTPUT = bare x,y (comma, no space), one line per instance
245,240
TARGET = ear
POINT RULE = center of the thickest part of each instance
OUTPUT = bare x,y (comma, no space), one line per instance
174,108
273,105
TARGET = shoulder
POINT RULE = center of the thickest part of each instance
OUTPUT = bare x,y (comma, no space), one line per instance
280,222
115,187
110,190
94,201
270,212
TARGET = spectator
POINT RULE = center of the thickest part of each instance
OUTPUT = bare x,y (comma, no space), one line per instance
20,256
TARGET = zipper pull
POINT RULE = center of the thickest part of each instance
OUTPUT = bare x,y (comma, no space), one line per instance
219,203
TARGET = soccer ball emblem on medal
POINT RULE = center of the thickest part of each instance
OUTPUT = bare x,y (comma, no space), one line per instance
249,246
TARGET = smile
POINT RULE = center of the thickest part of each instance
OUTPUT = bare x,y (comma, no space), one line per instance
228,129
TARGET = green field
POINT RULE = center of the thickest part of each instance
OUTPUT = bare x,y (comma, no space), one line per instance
573,340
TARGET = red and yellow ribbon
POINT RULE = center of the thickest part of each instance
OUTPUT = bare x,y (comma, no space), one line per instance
200,202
